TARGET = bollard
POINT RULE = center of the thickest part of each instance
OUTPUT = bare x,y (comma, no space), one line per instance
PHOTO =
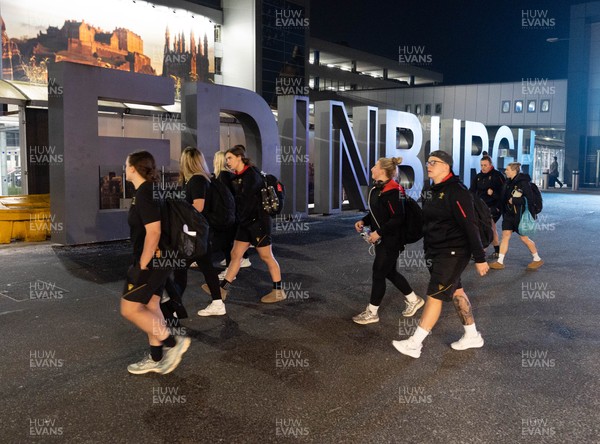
575,181
545,177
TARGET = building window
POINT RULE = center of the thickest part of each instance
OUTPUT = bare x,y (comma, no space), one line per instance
544,105
518,106
506,106
218,62
418,110
531,106
438,108
407,108
428,109
217,33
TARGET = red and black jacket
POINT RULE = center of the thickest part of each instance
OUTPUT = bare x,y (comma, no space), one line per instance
386,214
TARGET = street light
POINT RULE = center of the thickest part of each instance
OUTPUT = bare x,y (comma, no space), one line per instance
554,39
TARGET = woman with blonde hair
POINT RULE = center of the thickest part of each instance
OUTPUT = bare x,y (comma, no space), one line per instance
385,219
195,178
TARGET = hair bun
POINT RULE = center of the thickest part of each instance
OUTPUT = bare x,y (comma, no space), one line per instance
397,160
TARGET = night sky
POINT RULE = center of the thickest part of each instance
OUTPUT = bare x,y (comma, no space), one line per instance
473,41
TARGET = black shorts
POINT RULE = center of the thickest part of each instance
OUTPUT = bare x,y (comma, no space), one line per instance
143,287
258,233
496,213
510,223
445,274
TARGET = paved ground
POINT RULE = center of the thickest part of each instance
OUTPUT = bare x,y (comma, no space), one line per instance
301,370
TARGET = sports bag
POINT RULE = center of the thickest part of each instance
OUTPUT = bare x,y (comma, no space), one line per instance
272,194
413,220
220,210
184,230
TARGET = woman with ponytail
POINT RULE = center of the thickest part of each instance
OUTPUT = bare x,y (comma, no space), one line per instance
385,219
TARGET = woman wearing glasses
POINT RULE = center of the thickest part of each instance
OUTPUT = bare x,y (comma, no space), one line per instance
450,238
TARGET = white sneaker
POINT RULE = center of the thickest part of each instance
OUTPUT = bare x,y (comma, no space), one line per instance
245,263
366,317
465,342
223,274
413,307
408,347
213,310
223,263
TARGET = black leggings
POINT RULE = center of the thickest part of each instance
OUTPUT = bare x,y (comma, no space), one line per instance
384,267
177,283
223,241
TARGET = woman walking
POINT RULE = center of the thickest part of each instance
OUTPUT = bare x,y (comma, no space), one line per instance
140,303
386,219
516,190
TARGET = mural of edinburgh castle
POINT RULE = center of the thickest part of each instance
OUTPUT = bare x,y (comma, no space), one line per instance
27,59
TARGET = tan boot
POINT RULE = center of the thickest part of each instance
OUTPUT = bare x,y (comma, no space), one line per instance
535,265
224,292
274,296
497,266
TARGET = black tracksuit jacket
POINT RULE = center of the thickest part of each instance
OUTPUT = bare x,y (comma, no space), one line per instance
522,183
386,215
493,179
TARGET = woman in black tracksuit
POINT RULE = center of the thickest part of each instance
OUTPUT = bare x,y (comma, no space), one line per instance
254,224
385,218
488,186
516,190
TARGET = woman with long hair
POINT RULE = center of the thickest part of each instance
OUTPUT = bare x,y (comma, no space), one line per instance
195,178
386,219
254,224
140,303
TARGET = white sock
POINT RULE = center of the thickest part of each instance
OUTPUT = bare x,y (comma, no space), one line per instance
373,308
217,302
536,257
419,335
412,297
470,330
500,258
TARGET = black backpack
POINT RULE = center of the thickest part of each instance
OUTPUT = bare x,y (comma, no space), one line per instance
483,220
413,220
184,230
272,194
538,202
220,211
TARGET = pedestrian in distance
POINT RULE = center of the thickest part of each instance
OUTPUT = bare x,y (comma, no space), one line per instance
517,191
254,224
450,239
553,174
488,186
140,303
385,221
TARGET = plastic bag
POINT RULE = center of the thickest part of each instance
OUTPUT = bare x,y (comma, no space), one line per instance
527,224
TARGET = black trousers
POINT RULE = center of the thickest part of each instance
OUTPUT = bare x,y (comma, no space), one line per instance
177,282
384,267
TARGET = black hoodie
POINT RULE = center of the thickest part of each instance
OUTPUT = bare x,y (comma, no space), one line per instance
521,183
386,215
450,225
482,182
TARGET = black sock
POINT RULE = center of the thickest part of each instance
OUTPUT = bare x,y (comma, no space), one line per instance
170,341
225,284
277,285
156,352
497,248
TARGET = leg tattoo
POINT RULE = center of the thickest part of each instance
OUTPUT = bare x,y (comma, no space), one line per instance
463,308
